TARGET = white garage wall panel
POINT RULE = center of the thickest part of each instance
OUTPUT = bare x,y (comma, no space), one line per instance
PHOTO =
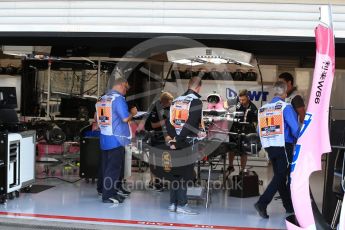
186,17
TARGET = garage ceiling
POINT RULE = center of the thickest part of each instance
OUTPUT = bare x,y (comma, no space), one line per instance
264,18
111,28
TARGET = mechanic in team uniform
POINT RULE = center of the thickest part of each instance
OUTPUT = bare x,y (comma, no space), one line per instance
113,121
184,121
250,116
278,130
155,121
297,102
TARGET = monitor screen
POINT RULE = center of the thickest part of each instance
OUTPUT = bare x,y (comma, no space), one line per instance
74,106
8,97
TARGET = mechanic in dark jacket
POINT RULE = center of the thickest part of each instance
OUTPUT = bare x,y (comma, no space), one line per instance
155,122
250,115
183,124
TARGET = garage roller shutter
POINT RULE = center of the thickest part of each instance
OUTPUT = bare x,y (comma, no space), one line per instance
181,17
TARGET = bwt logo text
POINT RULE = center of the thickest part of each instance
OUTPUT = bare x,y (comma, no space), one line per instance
253,95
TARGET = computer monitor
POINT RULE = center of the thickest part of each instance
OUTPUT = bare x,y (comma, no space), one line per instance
8,98
8,116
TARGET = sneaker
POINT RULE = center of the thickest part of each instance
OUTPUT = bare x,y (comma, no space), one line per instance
172,208
123,197
120,198
151,186
113,200
186,210
117,197
156,187
261,210
123,192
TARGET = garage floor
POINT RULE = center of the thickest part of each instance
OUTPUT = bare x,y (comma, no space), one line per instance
79,203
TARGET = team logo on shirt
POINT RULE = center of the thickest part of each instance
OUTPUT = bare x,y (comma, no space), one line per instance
271,121
166,161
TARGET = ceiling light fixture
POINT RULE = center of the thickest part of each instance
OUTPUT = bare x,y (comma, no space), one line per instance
213,59
187,62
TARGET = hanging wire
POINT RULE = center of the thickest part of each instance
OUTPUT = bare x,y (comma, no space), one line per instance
261,80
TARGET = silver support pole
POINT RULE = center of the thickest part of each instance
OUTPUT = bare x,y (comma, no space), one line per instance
208,186
149,99
49,89
99,79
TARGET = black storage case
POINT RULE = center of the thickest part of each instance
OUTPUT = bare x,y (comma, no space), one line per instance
90,156
245,185
171,164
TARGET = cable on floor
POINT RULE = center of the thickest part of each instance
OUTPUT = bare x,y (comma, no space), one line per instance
54,177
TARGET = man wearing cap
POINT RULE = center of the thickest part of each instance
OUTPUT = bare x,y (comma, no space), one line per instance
113,118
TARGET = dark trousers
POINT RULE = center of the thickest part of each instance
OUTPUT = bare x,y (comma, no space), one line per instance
178,192
112,169
100,175
279,160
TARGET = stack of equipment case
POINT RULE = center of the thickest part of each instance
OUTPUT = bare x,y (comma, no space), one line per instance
17,162
17,148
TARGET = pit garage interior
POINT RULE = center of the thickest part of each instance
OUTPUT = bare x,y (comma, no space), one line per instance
54,74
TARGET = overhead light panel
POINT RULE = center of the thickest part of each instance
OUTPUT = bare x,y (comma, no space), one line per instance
187,62
213,59
26,51
211,55
14,54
